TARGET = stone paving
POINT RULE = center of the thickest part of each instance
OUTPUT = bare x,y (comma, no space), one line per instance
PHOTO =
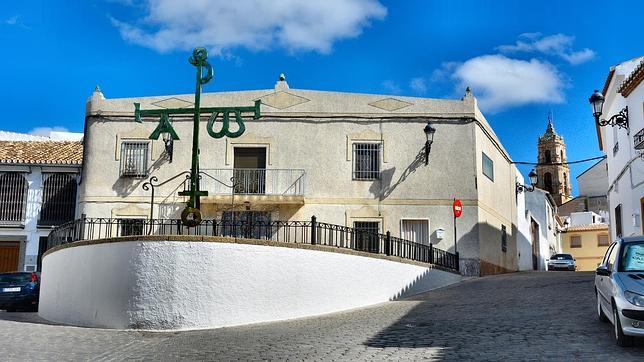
521,316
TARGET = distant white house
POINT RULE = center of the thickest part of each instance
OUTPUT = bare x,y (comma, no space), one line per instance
543,225
623,146
38,190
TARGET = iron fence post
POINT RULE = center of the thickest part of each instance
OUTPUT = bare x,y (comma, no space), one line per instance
431,253
388,243
82,227
458,267
314,227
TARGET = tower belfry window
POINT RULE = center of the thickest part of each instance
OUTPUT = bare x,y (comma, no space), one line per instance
548,157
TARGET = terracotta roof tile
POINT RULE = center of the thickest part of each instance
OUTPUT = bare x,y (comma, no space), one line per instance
632,81
587,227
41,152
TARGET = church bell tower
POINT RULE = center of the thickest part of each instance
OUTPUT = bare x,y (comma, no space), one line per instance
553,171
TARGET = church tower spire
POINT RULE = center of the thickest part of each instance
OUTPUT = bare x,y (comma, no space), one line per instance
553,171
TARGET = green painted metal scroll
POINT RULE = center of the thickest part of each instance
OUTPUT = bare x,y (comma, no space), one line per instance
191,215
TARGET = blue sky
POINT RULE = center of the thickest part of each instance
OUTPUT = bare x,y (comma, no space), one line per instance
522,59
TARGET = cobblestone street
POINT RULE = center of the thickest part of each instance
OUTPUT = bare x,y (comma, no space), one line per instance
524,316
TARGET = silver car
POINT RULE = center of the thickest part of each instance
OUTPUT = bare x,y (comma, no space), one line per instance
562,262
619,288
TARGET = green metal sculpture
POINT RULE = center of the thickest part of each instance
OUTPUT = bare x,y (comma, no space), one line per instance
191,215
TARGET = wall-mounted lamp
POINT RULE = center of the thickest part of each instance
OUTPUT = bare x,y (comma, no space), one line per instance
168,143
597,103
533,181
429,134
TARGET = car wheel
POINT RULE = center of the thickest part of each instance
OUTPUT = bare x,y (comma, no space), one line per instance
621,339
600,313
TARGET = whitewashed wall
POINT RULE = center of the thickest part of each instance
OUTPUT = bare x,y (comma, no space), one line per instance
176,285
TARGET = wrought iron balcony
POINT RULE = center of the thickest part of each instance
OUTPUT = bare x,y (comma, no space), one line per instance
254,181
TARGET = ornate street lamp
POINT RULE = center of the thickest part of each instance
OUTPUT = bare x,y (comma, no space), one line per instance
429,134
533,181
597,103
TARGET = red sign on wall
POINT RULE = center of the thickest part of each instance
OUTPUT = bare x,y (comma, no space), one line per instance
458,208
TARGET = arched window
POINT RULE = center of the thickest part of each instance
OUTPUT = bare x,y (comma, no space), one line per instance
59,199
562,158
547,182
565,190
548,157
13,198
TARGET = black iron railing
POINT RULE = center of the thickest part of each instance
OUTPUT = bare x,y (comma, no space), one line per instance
300,232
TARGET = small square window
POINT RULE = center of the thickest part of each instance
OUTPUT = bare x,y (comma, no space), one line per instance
134,159
130,227
602,240
366,237
575,241
488,167
366,161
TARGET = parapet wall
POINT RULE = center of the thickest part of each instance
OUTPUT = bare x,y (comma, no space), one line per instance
189,283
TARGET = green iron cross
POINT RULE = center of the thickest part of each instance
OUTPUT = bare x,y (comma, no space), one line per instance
191,215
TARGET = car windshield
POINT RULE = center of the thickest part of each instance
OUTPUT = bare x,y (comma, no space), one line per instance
17,278
632,257
561,257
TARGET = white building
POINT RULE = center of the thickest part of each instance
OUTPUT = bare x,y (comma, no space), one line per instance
355,160
623,92
544,237
38,191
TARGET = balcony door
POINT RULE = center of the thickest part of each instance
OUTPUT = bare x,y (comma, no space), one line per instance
250,170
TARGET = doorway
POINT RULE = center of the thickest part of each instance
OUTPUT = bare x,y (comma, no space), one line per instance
534,236
249,170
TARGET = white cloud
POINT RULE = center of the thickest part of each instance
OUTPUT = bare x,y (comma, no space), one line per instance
254,24
500,82
11,21
391,87
46,131
418,85
559,45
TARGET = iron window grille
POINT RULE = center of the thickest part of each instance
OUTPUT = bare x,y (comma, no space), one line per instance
504,239
131,227
59,199
13,198
366,161
366,235
134,158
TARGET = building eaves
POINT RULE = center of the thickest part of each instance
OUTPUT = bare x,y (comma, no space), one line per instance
632,80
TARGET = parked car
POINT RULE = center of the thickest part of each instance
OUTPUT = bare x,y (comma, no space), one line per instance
619,288
19,290
562,262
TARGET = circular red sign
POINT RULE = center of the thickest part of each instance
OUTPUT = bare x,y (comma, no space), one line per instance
458,208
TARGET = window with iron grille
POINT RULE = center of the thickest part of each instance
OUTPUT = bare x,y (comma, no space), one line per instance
366,161
575,241
59,199
504,239
366,235
602,240
13,198
129,227
134,158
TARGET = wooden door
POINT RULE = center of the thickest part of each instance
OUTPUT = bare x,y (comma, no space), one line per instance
9,255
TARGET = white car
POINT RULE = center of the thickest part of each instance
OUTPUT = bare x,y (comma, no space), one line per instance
619,288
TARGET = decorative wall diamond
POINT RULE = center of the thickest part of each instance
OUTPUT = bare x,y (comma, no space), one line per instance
172,103
390,104
282,100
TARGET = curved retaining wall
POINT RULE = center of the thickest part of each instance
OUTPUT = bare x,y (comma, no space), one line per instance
183,284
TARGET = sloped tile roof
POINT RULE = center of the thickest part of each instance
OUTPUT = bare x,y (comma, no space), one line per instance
41,152
632,81
587,227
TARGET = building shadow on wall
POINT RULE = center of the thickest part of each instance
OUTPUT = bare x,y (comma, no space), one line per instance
126,185
384,187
